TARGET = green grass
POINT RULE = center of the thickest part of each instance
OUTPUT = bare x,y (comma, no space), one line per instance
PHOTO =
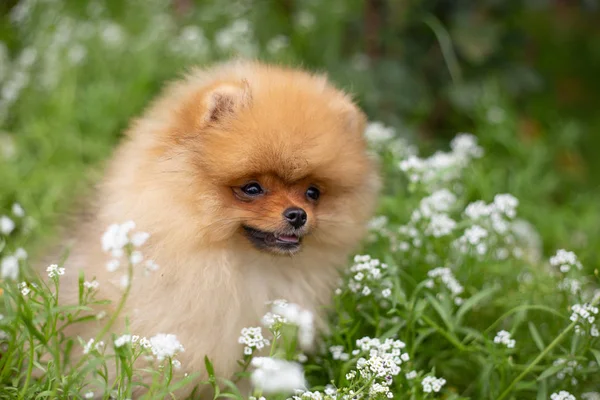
63,123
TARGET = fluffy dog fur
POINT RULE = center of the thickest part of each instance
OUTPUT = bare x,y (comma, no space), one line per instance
178,174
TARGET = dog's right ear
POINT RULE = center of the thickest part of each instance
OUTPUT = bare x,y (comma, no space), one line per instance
223,100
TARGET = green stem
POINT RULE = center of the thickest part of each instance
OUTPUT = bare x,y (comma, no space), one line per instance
112,320
29,369
539,358
450,338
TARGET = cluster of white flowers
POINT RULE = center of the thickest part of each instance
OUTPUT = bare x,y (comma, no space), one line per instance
92,345
368,276
377,133
337,353
442,168
24,288
119,240
570,369
54,270
9,263
504,337
165,345
562,395
9,266
491,227
161,345
565,260
253,339
272,375
294,314
330,393
431,218
91,285
383,362
447,278
432,384
590,396
585,316
570,285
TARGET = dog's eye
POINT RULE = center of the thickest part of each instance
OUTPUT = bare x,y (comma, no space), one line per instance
252,189
313,193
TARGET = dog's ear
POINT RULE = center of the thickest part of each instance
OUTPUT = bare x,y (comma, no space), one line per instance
223,100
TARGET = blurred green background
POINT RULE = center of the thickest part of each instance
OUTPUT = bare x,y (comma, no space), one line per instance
523,76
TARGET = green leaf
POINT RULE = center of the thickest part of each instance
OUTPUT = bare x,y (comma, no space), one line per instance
596,354
442,311
542,393
535,335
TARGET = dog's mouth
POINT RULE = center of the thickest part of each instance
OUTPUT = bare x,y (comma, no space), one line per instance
280,243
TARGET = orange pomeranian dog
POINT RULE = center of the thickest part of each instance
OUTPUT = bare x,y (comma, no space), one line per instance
255,184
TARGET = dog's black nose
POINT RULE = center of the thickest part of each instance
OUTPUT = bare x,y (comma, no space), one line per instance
295,216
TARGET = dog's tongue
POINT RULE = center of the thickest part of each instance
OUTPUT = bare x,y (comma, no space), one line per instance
288,238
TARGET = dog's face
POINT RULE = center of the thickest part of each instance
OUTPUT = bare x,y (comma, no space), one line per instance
283,164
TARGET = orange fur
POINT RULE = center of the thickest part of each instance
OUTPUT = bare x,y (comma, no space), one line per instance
173,175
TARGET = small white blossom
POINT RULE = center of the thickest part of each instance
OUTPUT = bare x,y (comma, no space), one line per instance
585,316
303,319
24,288
378,133
20,254
411,375
89,395
272,375
9,268
112,265
122,340
91,285
565,260
562,395
92,345
7,225
165,345
447,278
53,270
337,353
504,337
17,210
252,338
432,384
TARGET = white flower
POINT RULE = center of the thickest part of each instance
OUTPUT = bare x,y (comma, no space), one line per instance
385,293
565,260
124,282
253,339
6,225
116,236
466,144
411,375
273,375
378,133
25,290
590,396
91,285
122,340
136,257
9,268
562,395
139,238
17,210
112,265
53,270
504,338
585,316
165,345
506,204
20,254
89,395
303,319
91,344
432,384
337,353
447,278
